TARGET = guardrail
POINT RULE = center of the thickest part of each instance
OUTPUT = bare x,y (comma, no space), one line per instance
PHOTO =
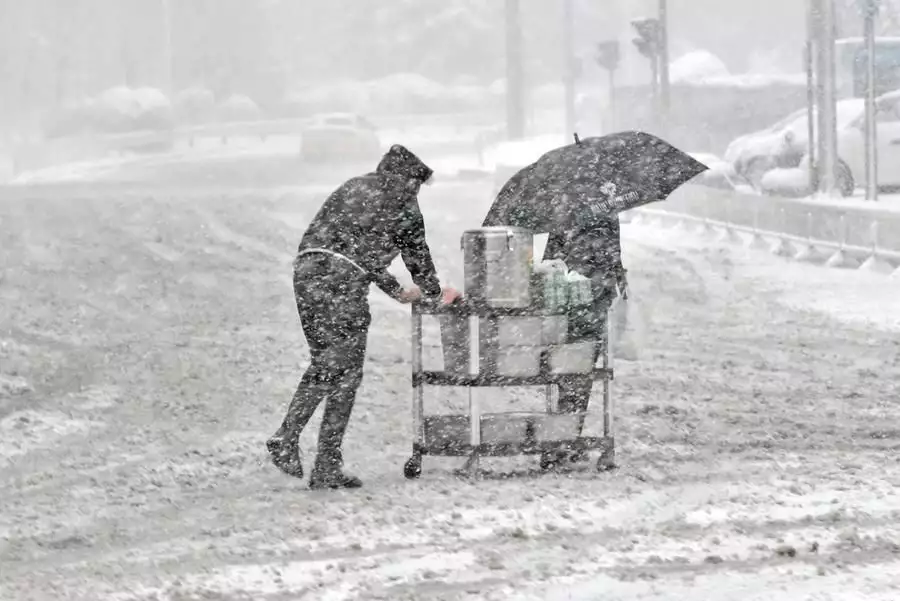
835,221
838,254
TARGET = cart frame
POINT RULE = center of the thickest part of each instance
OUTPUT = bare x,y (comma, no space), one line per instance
477,378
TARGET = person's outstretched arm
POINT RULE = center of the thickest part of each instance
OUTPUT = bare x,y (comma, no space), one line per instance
410,239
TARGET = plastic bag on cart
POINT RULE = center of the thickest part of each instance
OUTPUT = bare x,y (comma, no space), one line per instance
625,328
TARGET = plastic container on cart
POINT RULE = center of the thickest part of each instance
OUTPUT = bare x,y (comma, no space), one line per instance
572,358
512,333
551,286
452,432
446,432
580,289
455,343
503,428
527,331
517,361
555,329
557,427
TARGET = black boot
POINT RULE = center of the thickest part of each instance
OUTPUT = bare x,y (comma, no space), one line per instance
327,472
284,445
284,449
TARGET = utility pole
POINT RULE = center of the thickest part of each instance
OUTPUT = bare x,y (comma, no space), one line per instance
664,92
168,54
571,66
824,21
870,11
515,85
810,64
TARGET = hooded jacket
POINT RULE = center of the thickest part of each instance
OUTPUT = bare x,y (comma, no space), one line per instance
373,218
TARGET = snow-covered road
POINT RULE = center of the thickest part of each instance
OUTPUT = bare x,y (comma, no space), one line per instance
757,435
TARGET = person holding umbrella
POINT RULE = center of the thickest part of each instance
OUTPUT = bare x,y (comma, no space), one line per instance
593,249
575,194
352,240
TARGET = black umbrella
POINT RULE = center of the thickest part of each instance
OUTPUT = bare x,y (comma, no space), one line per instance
598,175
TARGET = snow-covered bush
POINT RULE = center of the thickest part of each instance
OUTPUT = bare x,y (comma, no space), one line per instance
238,107
154,110
697,65
116,110
195,105
786,182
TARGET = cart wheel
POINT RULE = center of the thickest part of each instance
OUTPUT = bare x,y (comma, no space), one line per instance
413,468
551,460
607,461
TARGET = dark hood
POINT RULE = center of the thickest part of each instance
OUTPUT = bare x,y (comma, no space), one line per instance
399,160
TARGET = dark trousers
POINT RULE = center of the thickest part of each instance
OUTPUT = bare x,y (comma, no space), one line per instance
334,314
588,322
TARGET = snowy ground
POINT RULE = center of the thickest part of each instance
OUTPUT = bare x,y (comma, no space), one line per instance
147,349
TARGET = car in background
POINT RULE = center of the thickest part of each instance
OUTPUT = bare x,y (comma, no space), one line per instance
339,138
719,175
852,146
783,144
851,167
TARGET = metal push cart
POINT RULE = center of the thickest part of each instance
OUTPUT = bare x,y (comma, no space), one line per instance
527,433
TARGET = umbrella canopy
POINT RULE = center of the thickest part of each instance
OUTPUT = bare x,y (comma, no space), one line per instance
592,177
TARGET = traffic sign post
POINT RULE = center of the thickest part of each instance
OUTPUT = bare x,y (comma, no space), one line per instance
649,43
608,57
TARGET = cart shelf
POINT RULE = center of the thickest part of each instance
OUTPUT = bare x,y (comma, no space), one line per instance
440,378
512,449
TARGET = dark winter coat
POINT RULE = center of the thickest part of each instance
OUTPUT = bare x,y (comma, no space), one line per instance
372,219
594,249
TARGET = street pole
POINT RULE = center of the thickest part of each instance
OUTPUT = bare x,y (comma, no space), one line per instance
829,104
570,64
664,94
823,20
871,130
515,92
654,92
811,100
168,67
612,100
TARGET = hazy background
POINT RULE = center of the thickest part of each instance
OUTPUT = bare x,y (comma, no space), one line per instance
54,51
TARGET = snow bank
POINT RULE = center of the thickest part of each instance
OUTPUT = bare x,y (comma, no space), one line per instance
786,182
13,386
857,297
697,66
116,110
752,80
25,431
133,103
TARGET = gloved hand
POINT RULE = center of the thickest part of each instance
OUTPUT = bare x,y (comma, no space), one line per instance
450,296
410,295
622,281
